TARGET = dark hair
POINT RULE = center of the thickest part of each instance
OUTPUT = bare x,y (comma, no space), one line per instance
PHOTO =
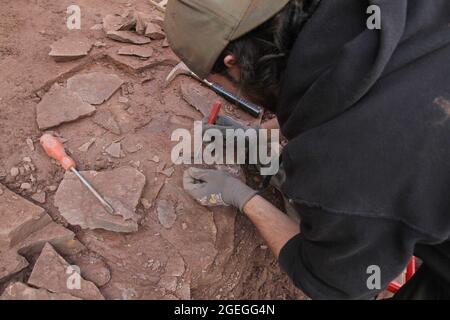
262,54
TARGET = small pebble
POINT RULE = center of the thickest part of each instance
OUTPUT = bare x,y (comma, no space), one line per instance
39,197
25,186
99,44
14,172
2,172
155,159
146,203
123,99
30,144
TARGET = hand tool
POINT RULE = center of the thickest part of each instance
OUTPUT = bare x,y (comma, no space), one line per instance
55,149
214,112
182,69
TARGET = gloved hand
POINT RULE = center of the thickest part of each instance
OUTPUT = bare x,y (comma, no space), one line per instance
213,188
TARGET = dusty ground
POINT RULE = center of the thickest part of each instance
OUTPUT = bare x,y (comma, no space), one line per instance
221,254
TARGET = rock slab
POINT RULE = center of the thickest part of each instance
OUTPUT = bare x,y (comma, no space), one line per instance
105,119
20,291
114,22
18,219
70,48
154,32
96,87
10,264
122,187
127,37
61,105
50,273
138,51
59,237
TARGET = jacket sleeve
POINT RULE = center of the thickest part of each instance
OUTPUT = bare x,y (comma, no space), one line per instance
335,255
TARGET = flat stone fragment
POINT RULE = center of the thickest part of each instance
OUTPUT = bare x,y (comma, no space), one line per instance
96,87
20,291
105,119
175,266
132,144
166,214
114,150
114,22
10,264
138,51
59,237
14,172
25,186
127,37
85,147
61,105
147,204
154,32
70,48
142,19
119,186
30,144
140,65
134,148
18,219
159,22
50,272
39,197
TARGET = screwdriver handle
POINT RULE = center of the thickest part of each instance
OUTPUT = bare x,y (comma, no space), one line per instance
214,112
55,149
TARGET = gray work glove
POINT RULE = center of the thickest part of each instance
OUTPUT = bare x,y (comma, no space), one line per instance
213,188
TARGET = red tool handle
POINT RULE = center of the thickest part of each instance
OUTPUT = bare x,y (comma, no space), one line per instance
215,112
55,149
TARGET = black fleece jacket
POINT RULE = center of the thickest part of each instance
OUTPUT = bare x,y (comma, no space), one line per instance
367,115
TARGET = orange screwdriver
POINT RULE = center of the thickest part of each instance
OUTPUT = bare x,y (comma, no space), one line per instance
55,149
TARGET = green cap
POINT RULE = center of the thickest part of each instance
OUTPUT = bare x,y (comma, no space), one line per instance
199,30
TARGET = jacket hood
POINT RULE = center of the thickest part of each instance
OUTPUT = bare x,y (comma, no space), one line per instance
337,59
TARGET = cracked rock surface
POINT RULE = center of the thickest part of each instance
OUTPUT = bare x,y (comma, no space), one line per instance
96,87
51,273
61,105
122,187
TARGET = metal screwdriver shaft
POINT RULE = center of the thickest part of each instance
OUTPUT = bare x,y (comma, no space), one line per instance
104,203
54,149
